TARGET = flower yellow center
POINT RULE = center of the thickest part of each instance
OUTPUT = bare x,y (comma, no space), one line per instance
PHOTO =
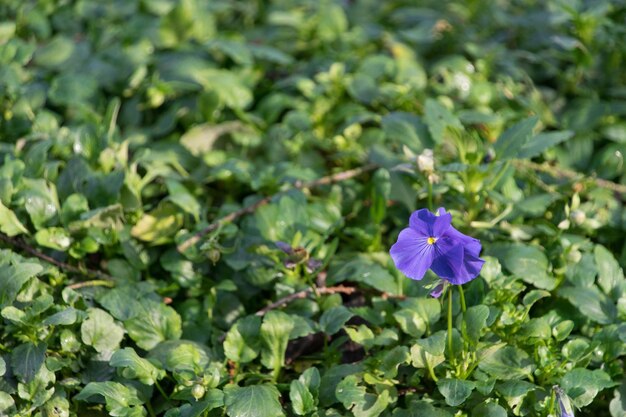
431,240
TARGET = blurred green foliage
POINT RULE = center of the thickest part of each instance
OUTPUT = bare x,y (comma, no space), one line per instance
126,126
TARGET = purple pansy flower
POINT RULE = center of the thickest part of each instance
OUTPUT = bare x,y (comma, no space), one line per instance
430,242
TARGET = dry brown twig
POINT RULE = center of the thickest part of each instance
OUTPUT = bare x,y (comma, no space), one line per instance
299,185
569,174
340,289
61,265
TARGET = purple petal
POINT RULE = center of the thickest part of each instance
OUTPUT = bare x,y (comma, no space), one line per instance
412,254
448,260
313,264
470,244
285,247
472,265
436,293
442,224
441,211
428,224
456,235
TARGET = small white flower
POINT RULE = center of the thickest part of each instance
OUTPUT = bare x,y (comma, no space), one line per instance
426,161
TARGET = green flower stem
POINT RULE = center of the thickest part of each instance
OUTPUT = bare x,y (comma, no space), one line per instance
430,196
552,403
450,324
156,383
150,410
462,294
431,371
276,373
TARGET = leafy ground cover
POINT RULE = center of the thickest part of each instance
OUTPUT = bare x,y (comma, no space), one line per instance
197,201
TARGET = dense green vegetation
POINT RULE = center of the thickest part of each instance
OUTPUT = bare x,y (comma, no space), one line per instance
131,129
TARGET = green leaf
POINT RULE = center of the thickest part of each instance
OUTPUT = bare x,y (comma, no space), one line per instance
155,323
511,143
592,303
57,406
536,328
13,277
228,85
582,385
55,52
159,226
64,318
135,367
610,274
363,88
434,344
213,398
421,409
562,330
531,297
302,400
332,22
27,359
355,398
274,333
42,201
6,401
7,30
331,378
489,410
364,269
120,400
429,352
180,196
405,128
529,263
455,391
617,406
40,389
333,319
476,321
280,222
542,142
418,315
410,322
438,119
101,331
362,335
242,340
181,356
253,401
514,392
9,223
506,362
54,238
392,359
126,301
576,349
311,380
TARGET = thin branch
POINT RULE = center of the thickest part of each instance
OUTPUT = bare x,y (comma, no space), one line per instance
94,283
298,185
569,174
340,289
61,265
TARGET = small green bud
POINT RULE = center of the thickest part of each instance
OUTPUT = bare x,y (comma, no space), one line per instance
197,391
